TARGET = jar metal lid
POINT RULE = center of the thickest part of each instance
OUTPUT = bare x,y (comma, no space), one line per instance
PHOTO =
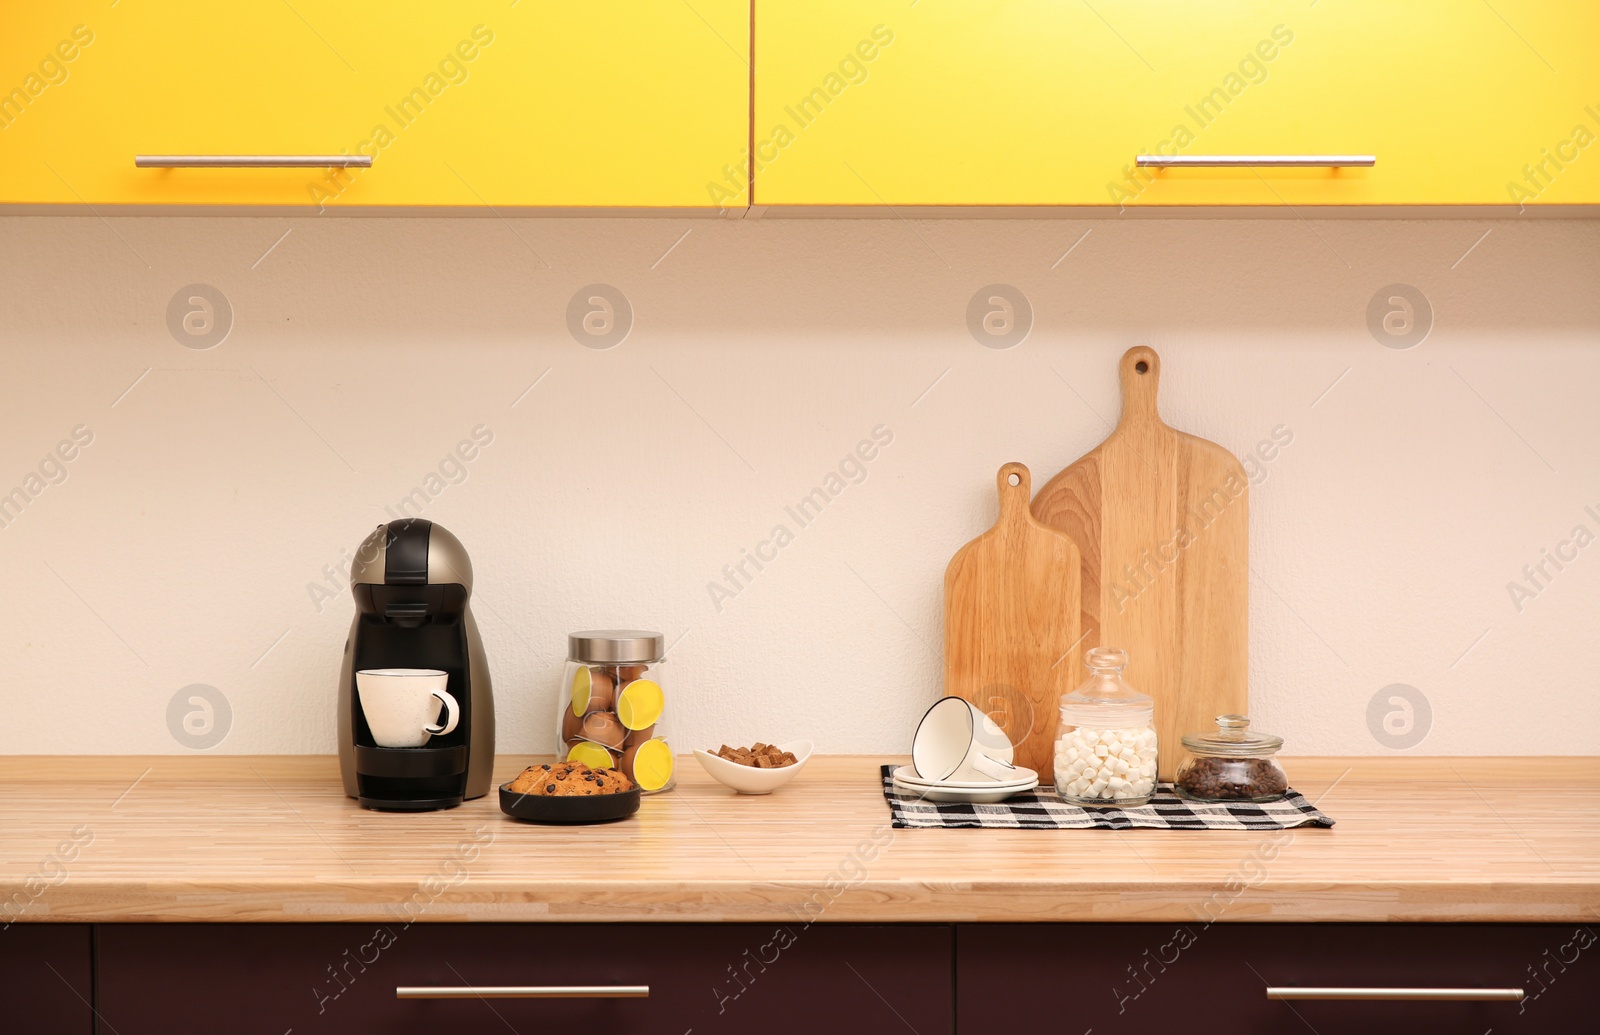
1233,739
615,646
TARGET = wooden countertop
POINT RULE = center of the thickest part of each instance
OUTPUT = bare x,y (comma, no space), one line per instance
245,838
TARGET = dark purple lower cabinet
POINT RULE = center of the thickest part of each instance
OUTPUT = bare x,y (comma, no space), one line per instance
1125,978
45,982
705,978
773,979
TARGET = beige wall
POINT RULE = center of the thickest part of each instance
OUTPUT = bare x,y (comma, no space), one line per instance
183,544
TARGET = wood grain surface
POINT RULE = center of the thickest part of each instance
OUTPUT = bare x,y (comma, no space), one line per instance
275,839
1162,520
1011,643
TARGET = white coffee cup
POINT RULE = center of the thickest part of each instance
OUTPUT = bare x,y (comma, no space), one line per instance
402,705
956,741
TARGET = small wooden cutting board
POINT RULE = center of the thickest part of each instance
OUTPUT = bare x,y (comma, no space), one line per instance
1163,522
1011,612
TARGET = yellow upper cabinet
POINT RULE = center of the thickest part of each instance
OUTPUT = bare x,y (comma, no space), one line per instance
1050,102
616,103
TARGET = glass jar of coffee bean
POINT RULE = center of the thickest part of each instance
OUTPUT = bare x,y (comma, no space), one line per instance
1231,764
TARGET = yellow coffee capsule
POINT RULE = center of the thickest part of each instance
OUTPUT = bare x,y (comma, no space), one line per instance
649,764
640,703
592,755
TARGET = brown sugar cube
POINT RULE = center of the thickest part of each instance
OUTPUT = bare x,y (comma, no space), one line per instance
760,755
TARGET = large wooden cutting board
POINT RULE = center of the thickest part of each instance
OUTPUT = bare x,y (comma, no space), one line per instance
1163,523
1011,623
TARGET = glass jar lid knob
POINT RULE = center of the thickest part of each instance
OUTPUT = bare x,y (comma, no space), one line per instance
1101,659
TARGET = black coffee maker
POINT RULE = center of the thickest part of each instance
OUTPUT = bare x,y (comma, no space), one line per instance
411,579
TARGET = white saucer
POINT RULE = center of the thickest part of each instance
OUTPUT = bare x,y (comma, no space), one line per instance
989,796
1025,778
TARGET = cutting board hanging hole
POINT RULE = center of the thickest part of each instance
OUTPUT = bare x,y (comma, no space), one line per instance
1141,377
1016,491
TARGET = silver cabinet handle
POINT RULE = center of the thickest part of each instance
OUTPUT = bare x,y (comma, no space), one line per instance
522,992
252,161
1263,161
1459,995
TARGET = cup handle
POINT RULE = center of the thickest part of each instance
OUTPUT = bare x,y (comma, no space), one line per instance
993,768
452,714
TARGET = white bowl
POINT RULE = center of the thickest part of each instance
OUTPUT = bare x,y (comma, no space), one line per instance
748,780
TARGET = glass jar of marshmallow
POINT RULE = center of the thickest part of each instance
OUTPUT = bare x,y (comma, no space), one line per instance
1106,743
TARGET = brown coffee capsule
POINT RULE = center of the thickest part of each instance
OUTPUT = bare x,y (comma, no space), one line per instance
603,728
571,726
594,689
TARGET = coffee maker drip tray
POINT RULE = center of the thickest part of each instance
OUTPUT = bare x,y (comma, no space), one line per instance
410,779
405,763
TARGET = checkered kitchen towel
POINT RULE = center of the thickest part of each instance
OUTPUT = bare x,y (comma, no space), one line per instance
1043,809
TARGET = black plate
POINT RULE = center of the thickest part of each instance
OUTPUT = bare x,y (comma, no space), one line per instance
587,808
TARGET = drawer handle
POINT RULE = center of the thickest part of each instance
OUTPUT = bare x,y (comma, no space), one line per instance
522,992
1459,995
1262,161
252,161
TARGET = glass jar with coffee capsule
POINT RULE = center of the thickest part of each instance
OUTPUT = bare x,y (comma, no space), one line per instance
611,705
1231,764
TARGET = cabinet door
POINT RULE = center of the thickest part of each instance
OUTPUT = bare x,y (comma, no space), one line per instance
1033,102
604,104
1126,978
98,84
45,987
612,103
342,978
